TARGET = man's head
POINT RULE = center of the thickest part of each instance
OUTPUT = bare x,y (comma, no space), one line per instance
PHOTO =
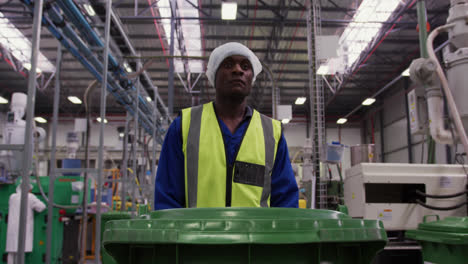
232,69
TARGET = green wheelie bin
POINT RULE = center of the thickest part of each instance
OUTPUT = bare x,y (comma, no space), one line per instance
244,235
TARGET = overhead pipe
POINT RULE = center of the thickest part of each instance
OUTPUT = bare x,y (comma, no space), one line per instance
118,24
74,15
72,12
121,95
448,94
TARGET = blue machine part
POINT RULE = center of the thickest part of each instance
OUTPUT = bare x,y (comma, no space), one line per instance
71,164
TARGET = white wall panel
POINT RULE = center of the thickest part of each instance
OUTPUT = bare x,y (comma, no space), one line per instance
395,136
400,156
295,134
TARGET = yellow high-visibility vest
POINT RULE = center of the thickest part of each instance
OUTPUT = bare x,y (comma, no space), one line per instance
209,180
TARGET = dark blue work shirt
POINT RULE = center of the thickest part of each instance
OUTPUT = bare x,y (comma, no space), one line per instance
170,178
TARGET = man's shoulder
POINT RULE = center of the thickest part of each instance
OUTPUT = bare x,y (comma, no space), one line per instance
277,122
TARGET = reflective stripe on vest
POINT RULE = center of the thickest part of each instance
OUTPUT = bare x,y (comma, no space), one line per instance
206,172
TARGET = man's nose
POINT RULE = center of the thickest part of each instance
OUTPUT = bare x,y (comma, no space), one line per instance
237,69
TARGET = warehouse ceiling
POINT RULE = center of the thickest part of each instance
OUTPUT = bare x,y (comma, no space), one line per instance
275,30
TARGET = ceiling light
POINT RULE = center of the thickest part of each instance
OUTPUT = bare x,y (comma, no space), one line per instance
148,99
405,73
228,10
89,9
285,121
300,100
127,67
40,120
368,101
3,100
342,121
19,46
99,120
323,70
121,135
27,66
74,99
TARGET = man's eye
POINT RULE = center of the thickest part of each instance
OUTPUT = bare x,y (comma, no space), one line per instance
227,64
245,66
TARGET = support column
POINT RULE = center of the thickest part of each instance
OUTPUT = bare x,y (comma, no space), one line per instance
53,161
28,135
97,249
124,178
171,61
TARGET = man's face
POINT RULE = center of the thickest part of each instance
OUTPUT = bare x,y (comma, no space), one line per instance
234,77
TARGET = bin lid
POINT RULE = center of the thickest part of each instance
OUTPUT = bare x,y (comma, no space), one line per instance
451,230
449,224
115,215
244,226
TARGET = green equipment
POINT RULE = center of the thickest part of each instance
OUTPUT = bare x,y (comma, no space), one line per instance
443,241
244,235
67,192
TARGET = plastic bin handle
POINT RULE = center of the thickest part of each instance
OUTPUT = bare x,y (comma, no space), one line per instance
426,216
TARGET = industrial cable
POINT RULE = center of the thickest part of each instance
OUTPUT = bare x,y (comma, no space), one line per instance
136,180
84,224
440,208
422,147
445,196
443,80
340,187
90,87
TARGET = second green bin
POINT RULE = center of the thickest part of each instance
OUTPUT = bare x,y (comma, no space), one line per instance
443,241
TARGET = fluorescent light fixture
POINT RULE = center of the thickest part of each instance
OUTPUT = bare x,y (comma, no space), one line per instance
74,99
40,120
99,120
148,99
342,121
228,10
3,100
285,121
405,73
323,70
190,30
300,100
27,66
127,67
368,101
121,135
89,9
19,46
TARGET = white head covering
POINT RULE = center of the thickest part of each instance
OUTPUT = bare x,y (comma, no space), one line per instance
230,49
18,188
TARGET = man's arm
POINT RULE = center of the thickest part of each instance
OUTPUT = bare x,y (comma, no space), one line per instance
284,190
169,191
36,204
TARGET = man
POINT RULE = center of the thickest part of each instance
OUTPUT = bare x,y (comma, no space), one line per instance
224,153
14,204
